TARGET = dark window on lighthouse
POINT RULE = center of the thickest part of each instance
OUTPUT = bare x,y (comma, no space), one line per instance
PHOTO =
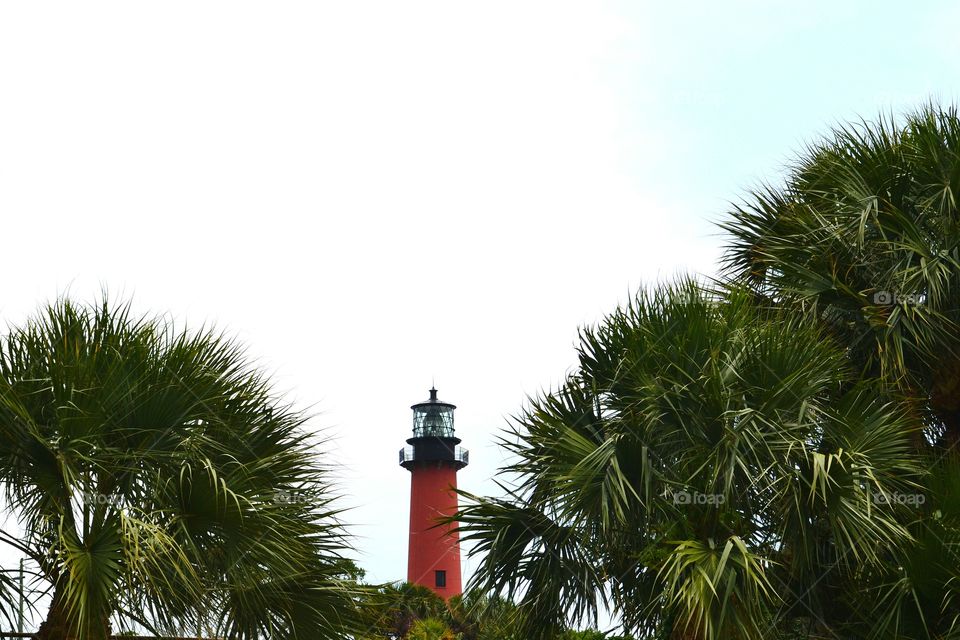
441,578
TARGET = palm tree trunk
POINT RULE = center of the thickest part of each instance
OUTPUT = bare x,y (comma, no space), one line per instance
57,626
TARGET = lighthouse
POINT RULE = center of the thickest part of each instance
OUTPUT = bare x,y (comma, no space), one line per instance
433,459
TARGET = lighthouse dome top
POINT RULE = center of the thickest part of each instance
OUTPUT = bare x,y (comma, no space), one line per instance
433,418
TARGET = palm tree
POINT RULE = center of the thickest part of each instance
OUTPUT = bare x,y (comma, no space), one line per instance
866,232
159,482
712,469
478,616
430,629
394,608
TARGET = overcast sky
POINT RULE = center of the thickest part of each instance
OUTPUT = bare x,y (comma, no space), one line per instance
376,195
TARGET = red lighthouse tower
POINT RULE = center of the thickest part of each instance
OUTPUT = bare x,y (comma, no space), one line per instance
433,459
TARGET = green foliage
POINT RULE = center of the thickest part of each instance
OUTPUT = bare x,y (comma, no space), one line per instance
476,616
395,611
430,629
160,482
813,398
708,471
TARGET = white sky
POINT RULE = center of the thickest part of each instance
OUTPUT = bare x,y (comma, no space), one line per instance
372,195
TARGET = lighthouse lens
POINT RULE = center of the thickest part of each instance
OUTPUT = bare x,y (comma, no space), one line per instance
433,421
